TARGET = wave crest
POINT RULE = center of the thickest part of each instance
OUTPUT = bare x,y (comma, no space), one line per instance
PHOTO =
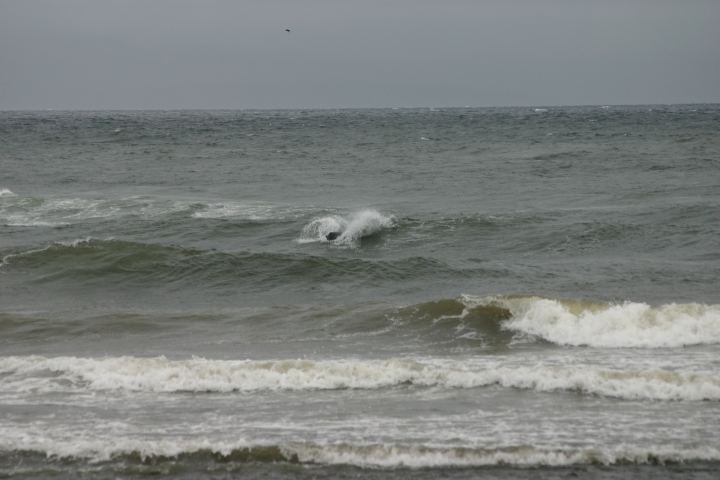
609,325
87,259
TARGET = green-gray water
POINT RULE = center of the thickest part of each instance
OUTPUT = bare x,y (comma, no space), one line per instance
514,292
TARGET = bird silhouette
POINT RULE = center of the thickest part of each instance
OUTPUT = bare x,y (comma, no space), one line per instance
287,30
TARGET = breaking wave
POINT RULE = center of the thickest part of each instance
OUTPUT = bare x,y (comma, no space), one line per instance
609,325
351,229
503,319
158,374
383,455
373,455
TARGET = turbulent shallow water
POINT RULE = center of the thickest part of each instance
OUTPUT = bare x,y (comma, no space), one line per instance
513,293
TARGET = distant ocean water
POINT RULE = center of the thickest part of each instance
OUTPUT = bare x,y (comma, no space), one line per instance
512,293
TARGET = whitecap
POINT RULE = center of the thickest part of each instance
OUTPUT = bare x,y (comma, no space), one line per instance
351,229
608,325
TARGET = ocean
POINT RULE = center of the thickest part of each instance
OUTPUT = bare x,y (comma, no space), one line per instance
512,293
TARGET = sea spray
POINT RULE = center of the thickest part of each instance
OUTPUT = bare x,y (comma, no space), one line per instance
319,228
351,229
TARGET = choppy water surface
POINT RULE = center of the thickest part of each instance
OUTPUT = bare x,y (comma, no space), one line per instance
512,293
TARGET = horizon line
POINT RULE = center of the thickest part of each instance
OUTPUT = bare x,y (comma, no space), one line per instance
396,107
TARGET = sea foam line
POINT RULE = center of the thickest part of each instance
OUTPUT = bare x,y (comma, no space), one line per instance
159,374
28,211
374,455
421,456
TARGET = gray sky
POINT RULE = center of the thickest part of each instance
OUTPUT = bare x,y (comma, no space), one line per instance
128,54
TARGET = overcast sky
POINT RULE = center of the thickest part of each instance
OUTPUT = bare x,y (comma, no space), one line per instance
147,54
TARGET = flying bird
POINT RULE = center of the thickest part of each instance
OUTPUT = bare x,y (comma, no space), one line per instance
287,30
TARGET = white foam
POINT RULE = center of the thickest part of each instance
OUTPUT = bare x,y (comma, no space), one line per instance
352,229
101,448
229,210
19,221
247,210
95,447
158,374
626,325
64,211
421,456
78,242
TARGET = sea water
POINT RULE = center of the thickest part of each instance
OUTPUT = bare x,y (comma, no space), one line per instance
514,293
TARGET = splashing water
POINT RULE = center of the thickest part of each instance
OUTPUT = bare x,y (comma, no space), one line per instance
351,229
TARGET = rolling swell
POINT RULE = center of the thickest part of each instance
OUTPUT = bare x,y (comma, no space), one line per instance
450,321
91,260
470,322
